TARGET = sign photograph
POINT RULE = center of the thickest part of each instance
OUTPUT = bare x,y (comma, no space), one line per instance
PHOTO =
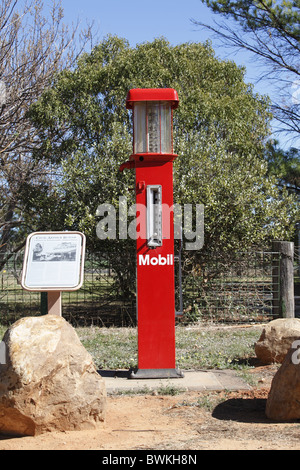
53,261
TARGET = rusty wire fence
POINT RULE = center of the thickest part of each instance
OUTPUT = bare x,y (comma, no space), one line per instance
241,288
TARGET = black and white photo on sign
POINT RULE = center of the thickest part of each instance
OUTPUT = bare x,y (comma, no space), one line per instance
64,251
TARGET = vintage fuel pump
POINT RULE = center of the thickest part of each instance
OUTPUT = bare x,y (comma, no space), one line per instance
152,160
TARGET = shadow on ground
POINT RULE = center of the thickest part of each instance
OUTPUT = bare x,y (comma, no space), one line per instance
243,410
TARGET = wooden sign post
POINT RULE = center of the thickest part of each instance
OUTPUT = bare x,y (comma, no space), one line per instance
54,303
53,262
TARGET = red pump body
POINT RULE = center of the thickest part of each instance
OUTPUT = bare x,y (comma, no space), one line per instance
155,230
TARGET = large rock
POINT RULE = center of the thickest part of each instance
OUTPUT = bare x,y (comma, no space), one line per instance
49,381
276,340
283,402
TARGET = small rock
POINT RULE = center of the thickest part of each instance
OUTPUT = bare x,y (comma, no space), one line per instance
276,340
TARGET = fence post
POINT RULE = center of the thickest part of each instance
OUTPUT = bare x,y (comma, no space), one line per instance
283,279
44,303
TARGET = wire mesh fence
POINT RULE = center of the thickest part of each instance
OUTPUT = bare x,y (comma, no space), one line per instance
96,302
239,288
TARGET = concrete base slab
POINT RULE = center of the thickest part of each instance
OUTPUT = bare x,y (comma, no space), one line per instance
119,381
155,374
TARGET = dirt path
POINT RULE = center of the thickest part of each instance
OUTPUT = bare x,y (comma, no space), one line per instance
234,421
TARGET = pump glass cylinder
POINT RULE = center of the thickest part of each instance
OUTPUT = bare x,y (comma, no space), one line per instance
152,127
154,216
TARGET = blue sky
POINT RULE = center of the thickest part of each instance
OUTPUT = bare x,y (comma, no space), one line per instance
139,21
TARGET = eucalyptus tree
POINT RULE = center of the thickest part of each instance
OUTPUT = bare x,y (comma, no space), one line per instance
220,132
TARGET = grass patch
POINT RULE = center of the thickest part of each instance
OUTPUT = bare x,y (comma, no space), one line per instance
162,390
169,390
196,348
2,331
111,348
207,401
215,348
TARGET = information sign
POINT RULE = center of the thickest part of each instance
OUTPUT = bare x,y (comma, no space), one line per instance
53,261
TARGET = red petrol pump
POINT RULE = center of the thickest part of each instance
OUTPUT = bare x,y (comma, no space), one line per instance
152,160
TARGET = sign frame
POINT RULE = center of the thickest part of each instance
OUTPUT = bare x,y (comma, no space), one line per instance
80,250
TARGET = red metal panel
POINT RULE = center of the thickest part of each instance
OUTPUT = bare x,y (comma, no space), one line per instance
152,94
155,276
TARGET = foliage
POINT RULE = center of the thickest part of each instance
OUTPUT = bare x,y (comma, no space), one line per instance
242,204
285,165
33,48
269,29
220,132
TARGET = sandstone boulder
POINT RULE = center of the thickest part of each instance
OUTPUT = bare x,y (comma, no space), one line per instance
283,403
49,381
276,340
